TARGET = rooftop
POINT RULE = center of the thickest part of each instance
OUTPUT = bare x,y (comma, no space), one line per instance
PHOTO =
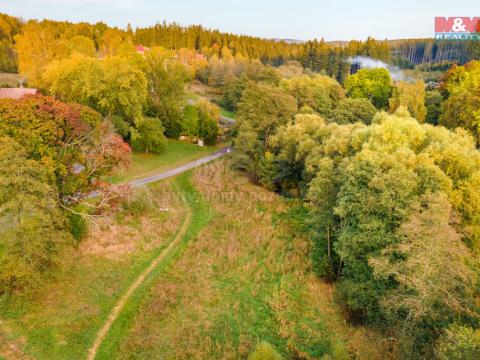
16,93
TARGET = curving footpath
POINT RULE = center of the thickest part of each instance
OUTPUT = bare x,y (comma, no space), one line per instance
102,333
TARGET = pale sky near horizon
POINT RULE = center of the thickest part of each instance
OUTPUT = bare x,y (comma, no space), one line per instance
299,19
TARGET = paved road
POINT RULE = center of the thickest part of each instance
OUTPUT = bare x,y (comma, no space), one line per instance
172,172
180,169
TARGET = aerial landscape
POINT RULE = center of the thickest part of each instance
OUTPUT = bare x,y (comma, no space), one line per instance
239,180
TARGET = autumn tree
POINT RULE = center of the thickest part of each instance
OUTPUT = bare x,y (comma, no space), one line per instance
166,79
148,136
40,43
53,155
36,47
319,92
232,92
349,111
9,27
462,87
208,117
432,249
373,84
33,231
190,121
410,95
265,108
112,86
70,140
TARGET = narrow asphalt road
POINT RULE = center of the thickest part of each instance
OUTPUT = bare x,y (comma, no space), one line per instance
180,169
172,172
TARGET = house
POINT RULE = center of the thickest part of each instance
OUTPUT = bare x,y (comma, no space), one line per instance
141,49
16,93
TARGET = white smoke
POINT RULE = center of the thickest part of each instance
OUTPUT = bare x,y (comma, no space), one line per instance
368,63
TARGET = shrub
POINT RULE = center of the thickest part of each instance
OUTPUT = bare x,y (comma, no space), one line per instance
121,126
264,351
78,226
458,343
139,202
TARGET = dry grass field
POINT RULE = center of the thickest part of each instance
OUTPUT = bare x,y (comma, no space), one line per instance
246,278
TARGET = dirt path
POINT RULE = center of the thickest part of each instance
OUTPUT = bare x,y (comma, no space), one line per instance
92,352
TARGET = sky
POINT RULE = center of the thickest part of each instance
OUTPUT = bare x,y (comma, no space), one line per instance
293,19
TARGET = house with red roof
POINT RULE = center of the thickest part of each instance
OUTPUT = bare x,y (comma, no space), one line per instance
16,93
141,49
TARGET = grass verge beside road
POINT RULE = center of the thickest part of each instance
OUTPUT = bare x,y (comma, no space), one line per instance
176,153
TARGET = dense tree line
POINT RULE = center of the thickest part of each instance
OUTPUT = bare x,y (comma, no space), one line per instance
317,55
389,201
423,51
174,36
99,67
332,59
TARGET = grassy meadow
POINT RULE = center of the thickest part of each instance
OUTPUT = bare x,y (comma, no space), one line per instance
244,279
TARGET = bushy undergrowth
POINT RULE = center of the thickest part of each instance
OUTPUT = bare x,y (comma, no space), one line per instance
139,202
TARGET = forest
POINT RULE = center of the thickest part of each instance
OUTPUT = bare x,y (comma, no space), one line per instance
381,175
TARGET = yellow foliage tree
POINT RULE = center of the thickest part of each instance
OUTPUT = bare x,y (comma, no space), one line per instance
412,96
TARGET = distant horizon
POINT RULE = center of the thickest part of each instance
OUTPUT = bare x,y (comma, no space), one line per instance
124,27
300,20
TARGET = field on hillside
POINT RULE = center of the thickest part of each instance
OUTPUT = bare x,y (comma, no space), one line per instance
176,153
245,279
